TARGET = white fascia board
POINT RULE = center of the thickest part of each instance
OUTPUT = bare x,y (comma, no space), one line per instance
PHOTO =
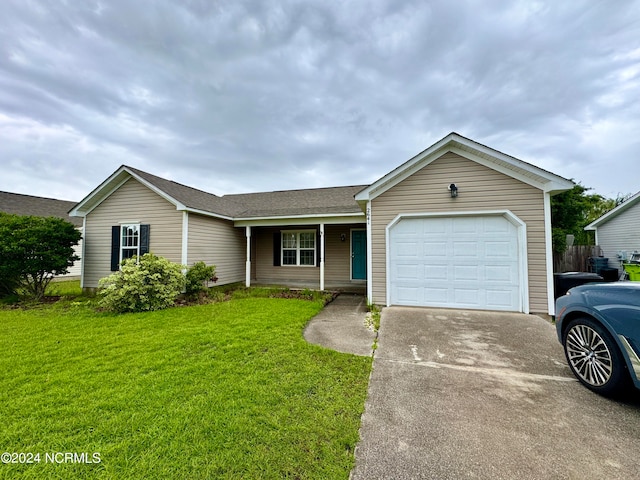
99,195
400,173
203,212
110,185
522,171
545,181
340,218
614,212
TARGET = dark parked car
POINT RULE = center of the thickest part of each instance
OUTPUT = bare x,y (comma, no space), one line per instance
598,325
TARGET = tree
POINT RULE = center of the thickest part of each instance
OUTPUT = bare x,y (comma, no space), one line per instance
33,250
573,210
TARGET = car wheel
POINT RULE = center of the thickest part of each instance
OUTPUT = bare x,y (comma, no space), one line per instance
594,357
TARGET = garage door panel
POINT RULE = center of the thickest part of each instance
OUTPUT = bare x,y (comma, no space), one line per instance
432,295
408,295
465,249
465,225
500,299
434,249
495,225
466,272
436,272
407,272
465,262
406,249
498,249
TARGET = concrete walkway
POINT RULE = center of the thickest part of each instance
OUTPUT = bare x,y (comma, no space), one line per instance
341,326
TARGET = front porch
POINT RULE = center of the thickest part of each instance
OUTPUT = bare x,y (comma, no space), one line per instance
317,256
355,287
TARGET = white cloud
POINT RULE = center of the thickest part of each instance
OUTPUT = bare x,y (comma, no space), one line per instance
247,95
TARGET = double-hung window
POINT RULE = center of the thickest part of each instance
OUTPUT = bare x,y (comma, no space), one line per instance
299,248
129,241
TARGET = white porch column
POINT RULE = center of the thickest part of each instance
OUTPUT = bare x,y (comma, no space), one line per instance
322,256
247,277
184,256
369,256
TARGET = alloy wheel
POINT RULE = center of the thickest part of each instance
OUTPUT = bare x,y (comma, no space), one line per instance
589,355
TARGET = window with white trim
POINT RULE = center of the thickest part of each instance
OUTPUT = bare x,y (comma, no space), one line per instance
299,248
129,241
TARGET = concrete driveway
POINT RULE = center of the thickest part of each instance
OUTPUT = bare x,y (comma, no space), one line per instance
461,394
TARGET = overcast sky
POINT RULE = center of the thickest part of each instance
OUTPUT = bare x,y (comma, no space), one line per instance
244,96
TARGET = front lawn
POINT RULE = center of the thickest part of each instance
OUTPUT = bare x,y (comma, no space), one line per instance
227,390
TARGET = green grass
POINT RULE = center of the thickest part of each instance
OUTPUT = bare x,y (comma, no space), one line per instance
64,288
226,390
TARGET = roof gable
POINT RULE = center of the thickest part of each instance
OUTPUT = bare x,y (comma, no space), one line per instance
611,214
511,166
182,196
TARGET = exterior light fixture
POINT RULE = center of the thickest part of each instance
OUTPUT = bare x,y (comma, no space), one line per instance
453,189
343,237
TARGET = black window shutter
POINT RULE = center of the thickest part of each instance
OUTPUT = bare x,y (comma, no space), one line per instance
115,248
318,247
277,242
144,239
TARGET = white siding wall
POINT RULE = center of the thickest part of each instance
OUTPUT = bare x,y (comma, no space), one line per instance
480,188
132,202
621,233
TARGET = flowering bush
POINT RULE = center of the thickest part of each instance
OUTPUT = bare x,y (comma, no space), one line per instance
143,283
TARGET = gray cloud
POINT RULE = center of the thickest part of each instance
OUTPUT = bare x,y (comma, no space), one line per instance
246,95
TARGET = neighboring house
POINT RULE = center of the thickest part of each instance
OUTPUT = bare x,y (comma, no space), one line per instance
618,231
19,204
405,238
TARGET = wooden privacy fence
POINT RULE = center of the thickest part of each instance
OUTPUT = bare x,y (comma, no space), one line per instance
575,258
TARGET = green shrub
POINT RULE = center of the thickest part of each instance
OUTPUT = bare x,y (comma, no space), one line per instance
197,277
142,284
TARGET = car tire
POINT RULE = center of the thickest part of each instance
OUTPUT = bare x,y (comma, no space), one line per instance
594,357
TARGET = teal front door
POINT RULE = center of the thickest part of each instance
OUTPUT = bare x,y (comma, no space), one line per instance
359,254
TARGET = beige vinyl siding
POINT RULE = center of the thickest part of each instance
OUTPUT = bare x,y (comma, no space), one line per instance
135,203
480,189
217,242
620,234
337,256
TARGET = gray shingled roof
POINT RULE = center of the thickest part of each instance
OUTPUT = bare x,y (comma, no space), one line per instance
191,197
313,201
20,204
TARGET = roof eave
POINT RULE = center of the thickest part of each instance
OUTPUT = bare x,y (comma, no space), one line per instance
501,162
611,214
351,217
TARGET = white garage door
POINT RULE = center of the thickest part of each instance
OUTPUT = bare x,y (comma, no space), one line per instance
460,262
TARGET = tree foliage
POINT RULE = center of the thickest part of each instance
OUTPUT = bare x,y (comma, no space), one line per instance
573,210
143,283
33,250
